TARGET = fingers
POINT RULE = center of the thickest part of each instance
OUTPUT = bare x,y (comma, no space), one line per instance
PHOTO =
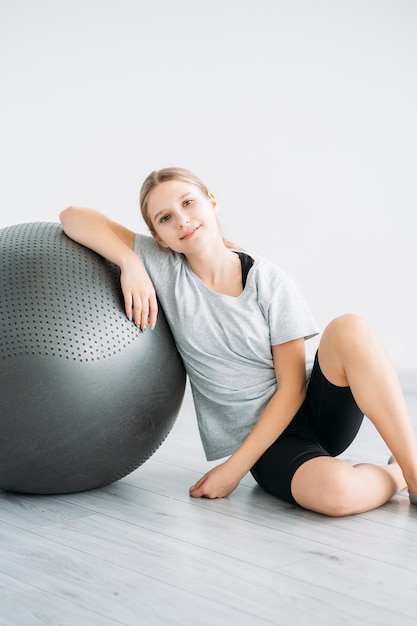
128,306
153,311
202,489
219,482
196,490
143,310
139,295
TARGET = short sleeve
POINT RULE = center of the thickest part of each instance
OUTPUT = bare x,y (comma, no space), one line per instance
288,313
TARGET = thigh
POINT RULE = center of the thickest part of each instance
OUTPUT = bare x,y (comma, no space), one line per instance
325,426
275,469
334,415
329,486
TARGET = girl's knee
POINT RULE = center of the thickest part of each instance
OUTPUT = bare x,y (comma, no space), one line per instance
349,328
344,340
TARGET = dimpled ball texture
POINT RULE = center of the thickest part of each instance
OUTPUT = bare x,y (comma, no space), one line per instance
86,397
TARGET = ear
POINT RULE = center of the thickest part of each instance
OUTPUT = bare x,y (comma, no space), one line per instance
214,202
158,239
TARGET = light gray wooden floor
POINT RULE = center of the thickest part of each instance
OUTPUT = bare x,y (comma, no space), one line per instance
141,552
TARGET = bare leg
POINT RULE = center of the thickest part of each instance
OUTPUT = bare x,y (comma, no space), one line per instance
332,487
350,354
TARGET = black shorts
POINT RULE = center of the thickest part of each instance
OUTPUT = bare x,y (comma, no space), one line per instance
325,425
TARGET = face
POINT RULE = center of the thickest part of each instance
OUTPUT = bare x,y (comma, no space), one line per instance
183,218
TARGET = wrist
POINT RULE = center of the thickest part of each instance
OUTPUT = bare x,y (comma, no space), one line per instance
129,259
239,464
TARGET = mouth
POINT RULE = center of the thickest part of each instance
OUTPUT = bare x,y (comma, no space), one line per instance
189,233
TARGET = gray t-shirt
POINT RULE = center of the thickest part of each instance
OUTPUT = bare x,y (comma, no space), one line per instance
225,341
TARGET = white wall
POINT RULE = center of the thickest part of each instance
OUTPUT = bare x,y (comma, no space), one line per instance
299,114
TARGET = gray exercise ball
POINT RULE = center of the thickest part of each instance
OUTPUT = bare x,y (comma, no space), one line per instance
85,396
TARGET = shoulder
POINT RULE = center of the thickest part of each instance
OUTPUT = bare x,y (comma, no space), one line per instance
276,287
155,258
144,242
146,245
282,303
268,274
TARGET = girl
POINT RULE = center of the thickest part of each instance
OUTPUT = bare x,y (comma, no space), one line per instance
240,324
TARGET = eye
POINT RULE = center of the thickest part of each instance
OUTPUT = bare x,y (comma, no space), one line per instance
164,219
187,202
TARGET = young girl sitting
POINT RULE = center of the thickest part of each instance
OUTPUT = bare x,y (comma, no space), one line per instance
241,324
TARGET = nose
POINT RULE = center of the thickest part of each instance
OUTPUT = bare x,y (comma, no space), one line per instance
183,219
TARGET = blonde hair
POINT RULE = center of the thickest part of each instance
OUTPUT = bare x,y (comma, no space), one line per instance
164,175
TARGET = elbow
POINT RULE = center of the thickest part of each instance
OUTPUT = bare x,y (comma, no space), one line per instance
65,215
69,218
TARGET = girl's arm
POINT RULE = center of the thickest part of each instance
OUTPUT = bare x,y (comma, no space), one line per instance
115,242
289,363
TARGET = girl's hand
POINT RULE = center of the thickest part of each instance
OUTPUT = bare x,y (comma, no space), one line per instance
219,482
115,243
139,294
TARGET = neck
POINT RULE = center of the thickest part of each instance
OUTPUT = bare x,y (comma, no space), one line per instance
219,269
